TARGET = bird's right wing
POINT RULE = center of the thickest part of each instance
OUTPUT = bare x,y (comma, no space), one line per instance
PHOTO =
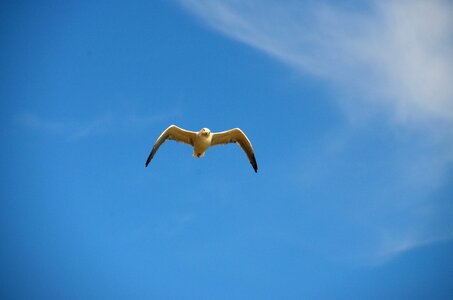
172,133
236,136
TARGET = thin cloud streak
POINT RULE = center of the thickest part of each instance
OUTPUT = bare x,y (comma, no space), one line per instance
70,129
394,246
77,130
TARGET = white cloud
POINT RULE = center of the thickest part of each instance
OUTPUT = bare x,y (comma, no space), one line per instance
393,246
74,130
395,53
37,123
394,57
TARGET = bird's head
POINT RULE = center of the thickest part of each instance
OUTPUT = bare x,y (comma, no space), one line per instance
205,131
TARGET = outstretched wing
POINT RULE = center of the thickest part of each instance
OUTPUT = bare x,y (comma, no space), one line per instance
236,136
172,133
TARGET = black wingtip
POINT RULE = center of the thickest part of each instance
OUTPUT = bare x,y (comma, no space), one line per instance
147,162
254,164
255,167
150,157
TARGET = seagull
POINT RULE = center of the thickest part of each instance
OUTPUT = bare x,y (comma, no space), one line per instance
203,139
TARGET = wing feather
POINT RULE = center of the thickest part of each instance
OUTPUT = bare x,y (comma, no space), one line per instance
236,135
175,133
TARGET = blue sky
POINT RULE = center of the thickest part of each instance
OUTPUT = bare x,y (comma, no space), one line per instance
348,104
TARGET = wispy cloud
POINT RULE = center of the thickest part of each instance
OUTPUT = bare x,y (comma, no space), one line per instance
74,130
397,54
389,58
393,246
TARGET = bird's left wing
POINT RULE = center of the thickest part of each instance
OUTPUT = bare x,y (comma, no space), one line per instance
175,133
236,136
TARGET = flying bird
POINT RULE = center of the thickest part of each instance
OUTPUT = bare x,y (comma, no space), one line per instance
203,139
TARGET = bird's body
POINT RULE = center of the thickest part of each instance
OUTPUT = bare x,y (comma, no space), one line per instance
201,144
202,140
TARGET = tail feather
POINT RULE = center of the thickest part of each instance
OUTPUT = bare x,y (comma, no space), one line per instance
198,155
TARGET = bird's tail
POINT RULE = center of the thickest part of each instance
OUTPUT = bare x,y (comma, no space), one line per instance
198,155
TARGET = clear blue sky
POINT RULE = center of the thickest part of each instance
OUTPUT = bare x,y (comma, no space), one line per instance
348,106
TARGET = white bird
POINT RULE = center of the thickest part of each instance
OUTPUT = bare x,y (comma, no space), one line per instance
203,139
